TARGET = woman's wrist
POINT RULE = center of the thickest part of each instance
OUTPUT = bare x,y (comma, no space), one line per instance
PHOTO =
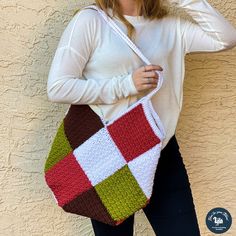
133,89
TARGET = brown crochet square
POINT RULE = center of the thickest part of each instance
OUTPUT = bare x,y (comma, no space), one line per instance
89,203
80,123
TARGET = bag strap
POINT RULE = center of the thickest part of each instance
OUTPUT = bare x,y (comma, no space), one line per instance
131,44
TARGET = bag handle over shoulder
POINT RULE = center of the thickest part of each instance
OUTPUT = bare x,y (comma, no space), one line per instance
132,46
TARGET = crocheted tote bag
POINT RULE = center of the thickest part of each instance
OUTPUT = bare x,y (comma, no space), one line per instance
101,169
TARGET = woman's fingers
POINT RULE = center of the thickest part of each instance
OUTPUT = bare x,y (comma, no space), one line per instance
146,77
153,67
151,74
149,81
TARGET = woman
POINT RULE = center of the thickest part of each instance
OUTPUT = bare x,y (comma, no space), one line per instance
93,66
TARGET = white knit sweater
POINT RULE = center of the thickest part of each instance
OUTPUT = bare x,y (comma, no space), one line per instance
93,65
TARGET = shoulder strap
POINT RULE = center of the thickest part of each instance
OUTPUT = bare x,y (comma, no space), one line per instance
130,43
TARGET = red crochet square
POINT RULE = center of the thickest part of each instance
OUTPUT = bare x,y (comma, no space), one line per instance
67,179
133,134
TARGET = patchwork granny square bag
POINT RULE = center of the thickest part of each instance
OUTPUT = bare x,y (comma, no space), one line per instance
101,169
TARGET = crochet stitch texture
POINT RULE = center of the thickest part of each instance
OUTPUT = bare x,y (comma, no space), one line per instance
104,170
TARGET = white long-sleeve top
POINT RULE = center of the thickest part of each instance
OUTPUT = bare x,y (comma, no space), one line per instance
93,65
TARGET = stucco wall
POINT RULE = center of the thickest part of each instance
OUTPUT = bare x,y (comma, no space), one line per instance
29,33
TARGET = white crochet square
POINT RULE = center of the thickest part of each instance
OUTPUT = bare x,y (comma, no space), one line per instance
99,157
143,168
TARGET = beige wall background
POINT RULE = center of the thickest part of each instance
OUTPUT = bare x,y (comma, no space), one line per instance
29,33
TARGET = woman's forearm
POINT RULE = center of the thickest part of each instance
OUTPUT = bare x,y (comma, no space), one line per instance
217,29
66,83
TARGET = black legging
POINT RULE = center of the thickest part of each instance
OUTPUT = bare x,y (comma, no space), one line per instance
171,211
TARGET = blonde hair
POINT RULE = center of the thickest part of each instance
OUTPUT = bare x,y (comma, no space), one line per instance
149,9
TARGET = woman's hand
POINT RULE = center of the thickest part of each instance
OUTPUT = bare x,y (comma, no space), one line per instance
145,77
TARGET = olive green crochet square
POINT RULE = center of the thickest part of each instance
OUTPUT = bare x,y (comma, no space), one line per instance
59,148
121,194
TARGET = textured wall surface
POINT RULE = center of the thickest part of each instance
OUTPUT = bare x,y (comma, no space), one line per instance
29,33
